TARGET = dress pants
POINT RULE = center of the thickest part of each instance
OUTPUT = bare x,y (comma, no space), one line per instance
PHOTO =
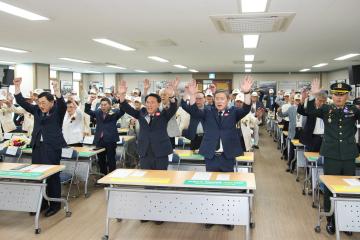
219,163
107,162
196,142
151,162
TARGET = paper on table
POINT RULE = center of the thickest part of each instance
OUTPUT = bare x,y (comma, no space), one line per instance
223,177
176,141
28,168
11,150
170,157
88,140
352,182
138,173
201,176
42,168
121,173
243,170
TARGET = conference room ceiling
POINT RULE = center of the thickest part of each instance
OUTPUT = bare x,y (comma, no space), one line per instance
181,32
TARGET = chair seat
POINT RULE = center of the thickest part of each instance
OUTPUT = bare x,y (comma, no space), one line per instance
65,177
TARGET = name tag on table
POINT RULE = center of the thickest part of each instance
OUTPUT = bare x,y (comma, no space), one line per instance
67,152
201,176
88,140
7,136
11,150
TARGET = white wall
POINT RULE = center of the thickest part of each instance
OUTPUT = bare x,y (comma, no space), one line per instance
335,75
109,80
65,76
26,72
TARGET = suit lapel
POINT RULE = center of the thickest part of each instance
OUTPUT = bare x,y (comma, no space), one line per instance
216,115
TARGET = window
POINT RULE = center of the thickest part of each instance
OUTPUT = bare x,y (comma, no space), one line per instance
76,87
53,74
76,76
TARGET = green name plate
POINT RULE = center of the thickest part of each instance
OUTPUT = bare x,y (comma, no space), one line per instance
20,174
219,183
313,158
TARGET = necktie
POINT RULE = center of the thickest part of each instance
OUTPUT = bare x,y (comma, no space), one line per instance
218,144
220,115
151,119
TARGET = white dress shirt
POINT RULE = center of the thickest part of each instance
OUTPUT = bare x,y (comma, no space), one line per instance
73,127
319,127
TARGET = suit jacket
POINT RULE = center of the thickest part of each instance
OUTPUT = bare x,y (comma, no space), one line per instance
106,125
268,102
154,135
190,133
307,131
215,130
49,126
339,132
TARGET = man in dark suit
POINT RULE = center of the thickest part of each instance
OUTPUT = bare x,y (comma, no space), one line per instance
106,134
47,139
270,100
195,131
221,144
154,145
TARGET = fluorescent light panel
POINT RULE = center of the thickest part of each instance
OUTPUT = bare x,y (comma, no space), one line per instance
347,56
12,50
140,71
114,66
251,40
249,58
74,60
305,70
158,59
113,44
193,70
320,65
19,12
60,68
179,66
6,62
248,6
89,71
248,65
248,70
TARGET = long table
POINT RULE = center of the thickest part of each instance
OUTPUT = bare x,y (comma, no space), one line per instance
24,189
180,196
190,160
81,168
345,203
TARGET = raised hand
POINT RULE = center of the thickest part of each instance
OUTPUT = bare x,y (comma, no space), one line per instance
170,88
91,98
246,84
122,89
56,89
17,81
147,84
315,86
192,87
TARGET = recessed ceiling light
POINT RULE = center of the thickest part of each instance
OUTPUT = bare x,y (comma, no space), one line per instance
248,70
140,71
114,66
12,50
320,65
179,66
89,71
7,62
251,40
159,59
249,58
74,60
60,68
253,5
305,70
248,65
19,12
347,56
193,70
113,44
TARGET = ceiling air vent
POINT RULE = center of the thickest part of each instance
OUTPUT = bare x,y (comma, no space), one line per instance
253,23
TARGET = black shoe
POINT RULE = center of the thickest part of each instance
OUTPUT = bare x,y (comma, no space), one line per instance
144,221
208,225
159,222
348,233
51,211
288,170
229,227
256,146
330,228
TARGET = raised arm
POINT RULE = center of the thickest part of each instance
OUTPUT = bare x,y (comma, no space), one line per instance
311,109
87,109
60,102
21,100
171,90
124,106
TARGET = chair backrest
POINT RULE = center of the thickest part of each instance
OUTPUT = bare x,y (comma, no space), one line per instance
11,151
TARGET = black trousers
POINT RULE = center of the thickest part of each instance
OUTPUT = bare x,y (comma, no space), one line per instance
107,162
196,142
336,167
150,161
219,163
75,145
315,143
172,140
45,154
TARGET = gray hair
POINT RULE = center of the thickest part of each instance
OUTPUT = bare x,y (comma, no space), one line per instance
322,94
